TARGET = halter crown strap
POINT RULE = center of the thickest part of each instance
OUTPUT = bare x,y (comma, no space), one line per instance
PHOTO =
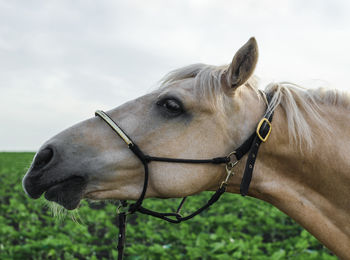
262,133
252,145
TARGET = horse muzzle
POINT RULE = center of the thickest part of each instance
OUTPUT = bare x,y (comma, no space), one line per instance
46,175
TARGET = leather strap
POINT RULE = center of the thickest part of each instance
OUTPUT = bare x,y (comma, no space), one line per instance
121,236
248,172
253,142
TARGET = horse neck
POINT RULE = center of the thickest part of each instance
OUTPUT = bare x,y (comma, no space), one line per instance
311,186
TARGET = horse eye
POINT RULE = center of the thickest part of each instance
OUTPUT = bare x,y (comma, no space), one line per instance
171,106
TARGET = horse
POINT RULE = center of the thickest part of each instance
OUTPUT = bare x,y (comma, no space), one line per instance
202,111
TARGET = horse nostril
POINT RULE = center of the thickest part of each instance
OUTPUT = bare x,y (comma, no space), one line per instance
43,157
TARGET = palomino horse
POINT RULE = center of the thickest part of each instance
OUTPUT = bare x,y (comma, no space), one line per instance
203,111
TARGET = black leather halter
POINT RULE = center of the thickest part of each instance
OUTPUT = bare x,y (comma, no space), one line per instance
251,145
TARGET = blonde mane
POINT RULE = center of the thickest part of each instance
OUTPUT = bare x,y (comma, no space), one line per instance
301,105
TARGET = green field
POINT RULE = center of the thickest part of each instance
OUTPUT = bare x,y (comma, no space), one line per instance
234,228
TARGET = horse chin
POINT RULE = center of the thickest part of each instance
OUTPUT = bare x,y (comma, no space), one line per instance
67,193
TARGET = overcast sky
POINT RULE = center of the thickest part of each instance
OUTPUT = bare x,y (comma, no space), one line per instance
62,60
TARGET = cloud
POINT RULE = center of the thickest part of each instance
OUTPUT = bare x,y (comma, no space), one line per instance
61,60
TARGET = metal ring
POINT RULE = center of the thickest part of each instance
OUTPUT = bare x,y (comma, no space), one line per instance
230,154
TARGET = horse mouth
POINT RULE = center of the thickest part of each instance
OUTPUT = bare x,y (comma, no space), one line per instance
68,193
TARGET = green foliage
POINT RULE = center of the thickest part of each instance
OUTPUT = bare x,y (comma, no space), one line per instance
234,228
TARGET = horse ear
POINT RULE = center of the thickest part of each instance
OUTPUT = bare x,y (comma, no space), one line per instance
243,64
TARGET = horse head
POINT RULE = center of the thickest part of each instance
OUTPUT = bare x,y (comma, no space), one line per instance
199,111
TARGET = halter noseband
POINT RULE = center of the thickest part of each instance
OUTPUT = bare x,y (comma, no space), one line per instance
251,145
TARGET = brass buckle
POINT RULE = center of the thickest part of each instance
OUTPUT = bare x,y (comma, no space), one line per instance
258,129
